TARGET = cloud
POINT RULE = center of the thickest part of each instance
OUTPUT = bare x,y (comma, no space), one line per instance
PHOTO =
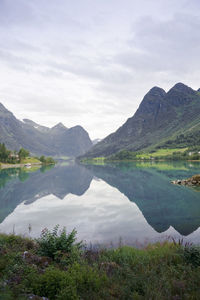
170,45
87,61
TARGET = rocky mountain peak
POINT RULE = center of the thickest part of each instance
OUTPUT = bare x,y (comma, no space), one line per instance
181,88
152,100
155,92
180,94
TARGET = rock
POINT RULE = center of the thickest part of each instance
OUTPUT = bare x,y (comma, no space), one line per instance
193,181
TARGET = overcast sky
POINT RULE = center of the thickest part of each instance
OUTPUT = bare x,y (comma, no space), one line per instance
90,62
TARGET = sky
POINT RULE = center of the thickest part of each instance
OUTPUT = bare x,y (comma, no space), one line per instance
90,62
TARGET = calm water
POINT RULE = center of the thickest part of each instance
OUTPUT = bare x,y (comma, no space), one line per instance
132,202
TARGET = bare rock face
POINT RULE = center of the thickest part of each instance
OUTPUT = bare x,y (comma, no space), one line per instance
193,181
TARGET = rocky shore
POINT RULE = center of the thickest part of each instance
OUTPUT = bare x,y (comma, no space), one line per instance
193,181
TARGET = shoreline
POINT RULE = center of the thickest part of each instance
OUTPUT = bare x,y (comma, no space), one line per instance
137,160
9,166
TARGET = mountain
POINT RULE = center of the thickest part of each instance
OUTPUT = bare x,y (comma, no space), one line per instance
36,126
94,142
40,140
160,120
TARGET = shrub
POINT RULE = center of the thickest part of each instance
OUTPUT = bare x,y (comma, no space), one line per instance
192,255
78,280
54,244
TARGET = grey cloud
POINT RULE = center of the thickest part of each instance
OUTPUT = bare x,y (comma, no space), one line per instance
170,45
81,61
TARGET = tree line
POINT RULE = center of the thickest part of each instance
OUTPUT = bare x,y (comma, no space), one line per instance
8,156
13,157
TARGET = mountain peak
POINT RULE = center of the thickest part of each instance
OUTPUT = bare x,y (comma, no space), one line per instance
180,87
58,128
151,101
180,94
59,125
156,91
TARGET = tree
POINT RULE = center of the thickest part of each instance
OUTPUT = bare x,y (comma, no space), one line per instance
4,153
42,159
23,153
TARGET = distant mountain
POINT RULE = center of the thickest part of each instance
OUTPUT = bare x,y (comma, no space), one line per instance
94,142
162,119
36,126
39,140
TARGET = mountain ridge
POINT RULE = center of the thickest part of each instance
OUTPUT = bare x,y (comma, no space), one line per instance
41,140
160,116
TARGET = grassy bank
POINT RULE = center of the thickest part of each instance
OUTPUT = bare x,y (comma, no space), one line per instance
57,267
167,154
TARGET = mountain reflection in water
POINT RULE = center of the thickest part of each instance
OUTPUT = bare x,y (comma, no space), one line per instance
19,185
162,204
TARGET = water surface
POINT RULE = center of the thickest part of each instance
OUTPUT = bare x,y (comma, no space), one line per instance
131,202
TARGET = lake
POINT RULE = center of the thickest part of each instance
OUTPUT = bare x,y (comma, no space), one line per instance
130,203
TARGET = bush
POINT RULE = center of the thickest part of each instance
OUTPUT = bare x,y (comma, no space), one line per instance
47,160
78,282
50,283
54,244
192,255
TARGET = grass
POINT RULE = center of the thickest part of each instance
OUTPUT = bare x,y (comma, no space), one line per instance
160,153
56,267
30,160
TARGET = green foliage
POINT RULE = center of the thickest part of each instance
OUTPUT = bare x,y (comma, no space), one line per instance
42,159
79,279
192,255
12,157
23,153
4,153
158,154
191,139
7,156
47,160
124,155
159,271
54,243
